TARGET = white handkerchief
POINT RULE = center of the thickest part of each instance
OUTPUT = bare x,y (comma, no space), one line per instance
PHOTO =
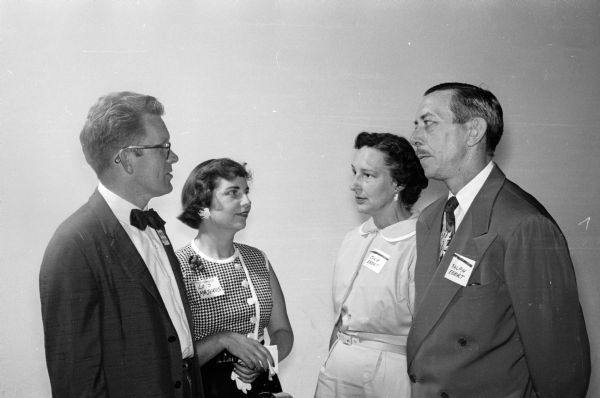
245,387
275,355
241,385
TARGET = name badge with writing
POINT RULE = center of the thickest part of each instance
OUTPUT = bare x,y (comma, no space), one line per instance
375,260
459,270
163,237
209,287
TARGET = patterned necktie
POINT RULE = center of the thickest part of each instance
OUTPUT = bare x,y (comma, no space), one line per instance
142,219
448,227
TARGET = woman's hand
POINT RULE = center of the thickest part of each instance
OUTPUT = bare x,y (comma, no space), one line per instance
254,357
246,374
251,352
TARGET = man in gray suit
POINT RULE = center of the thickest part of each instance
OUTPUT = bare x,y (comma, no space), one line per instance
116,317
497,309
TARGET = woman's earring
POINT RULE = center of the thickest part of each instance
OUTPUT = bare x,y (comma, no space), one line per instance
204,213
396,197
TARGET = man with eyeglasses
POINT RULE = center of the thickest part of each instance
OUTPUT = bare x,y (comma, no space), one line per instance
116,317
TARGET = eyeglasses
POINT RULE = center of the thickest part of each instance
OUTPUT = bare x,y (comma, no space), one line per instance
166,146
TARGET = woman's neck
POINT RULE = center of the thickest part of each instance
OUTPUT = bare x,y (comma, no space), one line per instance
219,246
393,215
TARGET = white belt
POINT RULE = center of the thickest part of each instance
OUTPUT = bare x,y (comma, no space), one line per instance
349,339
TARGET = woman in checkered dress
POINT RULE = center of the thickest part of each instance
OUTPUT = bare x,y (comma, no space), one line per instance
232,288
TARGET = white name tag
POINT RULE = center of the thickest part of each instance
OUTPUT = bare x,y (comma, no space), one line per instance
163,237
459,270
209,287
375,260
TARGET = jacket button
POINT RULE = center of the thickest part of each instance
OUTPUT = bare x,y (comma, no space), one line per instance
177,384
171,339
462,342
444,394
412,378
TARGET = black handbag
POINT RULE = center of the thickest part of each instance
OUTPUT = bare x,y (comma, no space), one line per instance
217,382
265,388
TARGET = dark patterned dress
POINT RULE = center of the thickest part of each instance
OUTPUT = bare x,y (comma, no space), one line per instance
232,294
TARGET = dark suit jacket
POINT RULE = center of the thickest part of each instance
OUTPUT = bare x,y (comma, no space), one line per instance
107,331
516,329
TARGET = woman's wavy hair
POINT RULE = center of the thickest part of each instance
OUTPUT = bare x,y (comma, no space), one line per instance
402,161
198,188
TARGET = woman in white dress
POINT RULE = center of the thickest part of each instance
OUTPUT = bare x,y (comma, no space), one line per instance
232,288
373,285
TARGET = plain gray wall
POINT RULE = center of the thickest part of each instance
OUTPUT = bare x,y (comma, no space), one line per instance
285,86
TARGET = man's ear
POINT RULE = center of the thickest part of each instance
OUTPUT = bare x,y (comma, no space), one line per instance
126,157
476,128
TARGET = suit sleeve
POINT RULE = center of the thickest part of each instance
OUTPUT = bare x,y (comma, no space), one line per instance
541,281
71,313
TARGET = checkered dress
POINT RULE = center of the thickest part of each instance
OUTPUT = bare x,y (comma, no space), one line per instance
235,310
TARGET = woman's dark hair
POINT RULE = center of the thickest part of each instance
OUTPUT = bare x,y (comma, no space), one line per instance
199,186
400,157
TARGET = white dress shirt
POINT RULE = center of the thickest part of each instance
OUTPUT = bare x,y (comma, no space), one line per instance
149,245
467,194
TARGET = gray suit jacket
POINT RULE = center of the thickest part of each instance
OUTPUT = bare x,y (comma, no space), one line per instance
516,329
107,331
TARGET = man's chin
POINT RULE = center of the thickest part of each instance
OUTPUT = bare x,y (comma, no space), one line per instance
430,172
167,189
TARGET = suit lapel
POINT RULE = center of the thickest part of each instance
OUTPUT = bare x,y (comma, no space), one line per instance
179,279
428,246
471,240
122,247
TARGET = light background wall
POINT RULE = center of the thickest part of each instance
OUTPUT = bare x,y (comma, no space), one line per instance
285,86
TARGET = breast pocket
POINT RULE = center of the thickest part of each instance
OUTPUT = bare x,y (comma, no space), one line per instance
485,280
475,290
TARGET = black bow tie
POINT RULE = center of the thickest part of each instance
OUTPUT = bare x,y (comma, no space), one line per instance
142,219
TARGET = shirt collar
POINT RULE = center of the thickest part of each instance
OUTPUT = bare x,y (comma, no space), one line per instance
392,233
119,206
467,194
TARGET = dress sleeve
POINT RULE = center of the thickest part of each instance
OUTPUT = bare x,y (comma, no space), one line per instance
267,263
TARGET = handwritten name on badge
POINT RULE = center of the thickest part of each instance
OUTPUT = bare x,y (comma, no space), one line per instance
163,237
376,260
209,287
459,270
